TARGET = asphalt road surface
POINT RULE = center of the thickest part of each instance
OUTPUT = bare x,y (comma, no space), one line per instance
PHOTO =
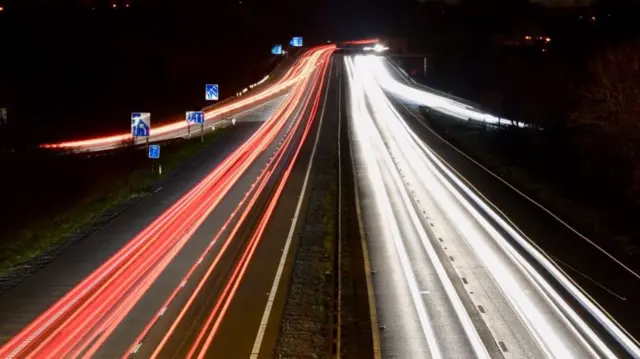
189,271
452,276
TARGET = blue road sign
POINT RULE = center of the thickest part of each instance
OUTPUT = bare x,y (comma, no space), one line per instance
276,50
140,124
154,151
296,42
211,92
195,117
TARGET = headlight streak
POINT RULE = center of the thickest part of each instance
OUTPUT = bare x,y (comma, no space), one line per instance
425,172
551,214
445,105
525,308
359,117
382,110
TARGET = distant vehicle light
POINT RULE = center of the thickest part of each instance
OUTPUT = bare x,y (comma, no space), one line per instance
1,8
380,48
114,6
528,37
548,39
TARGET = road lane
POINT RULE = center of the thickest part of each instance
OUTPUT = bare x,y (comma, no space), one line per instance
187,330
87,316
512,305
603,267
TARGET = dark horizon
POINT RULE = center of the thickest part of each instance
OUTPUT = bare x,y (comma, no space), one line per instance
156,56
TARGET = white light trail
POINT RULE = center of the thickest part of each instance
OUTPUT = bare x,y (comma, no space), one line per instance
440,103
553,323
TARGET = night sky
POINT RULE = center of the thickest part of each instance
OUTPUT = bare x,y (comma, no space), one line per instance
62,63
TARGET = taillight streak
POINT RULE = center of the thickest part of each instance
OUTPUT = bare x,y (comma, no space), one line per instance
234,281
159,238
229,239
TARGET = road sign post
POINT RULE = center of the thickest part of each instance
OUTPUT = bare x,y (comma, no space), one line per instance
425,67
141,126
196,117
3,116
154,154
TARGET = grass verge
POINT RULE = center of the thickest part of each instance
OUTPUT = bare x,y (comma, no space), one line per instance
38,235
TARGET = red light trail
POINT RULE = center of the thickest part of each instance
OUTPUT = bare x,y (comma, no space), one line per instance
362,42
293,75
84,318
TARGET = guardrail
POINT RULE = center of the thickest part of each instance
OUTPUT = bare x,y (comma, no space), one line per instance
436,91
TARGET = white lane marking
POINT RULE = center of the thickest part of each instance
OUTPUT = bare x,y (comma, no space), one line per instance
276,281
553,215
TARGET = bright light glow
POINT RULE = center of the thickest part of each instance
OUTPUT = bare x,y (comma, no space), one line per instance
376,48
86,316
439,103
385,140
365,93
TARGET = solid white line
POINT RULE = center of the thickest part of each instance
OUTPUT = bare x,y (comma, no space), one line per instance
276,281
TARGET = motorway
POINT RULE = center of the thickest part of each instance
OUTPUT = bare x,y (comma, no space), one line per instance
205,270
200,268
452,276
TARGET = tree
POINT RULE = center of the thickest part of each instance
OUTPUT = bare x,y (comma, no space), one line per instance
608,122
